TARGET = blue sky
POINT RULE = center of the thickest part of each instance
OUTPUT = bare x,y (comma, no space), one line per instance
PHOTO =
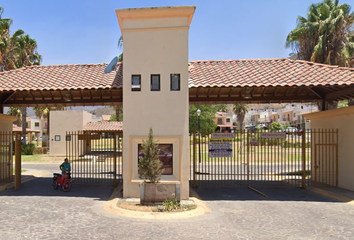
78,31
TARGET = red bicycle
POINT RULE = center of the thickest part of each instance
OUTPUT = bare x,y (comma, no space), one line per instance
62,180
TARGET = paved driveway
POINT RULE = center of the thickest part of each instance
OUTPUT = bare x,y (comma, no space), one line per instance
36,211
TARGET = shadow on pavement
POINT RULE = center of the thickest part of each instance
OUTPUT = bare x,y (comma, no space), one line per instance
246,194
43,187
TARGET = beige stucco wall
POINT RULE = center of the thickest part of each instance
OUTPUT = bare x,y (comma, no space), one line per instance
60,123
155,45
6,122
341,119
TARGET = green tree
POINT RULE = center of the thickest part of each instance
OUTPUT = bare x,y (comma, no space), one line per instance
120,45
27,54
13,111
326,35
206,118
150,166
221,108
240,110
119,112
275,126
17,50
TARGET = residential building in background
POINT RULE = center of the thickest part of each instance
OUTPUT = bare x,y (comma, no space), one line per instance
224,122
285,114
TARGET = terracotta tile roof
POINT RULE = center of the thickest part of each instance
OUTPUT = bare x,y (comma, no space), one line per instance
61,77
19,129
266,72
103,127
214,73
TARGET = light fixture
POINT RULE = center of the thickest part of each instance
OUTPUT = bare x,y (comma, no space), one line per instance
247,94
198,112
67,97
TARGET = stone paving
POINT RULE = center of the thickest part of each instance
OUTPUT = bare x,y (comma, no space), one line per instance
36,211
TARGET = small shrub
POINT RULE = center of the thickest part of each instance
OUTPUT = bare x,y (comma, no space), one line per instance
40,150
170,205
27,149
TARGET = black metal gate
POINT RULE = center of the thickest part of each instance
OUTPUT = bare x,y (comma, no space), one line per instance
95,157
267,159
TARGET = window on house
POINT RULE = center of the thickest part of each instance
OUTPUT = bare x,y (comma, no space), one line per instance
136,82
228,120
219,120
57,137
175,82
36,124
155,82
26,124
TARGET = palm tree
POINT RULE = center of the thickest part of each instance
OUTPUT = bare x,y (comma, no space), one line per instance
21,114
120,45
17,50
325,36
13,111
27,54
240,110
118,108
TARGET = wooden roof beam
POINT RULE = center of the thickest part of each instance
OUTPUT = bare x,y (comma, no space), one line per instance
340,93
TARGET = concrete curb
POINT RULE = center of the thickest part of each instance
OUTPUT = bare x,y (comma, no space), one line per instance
330,194
112,208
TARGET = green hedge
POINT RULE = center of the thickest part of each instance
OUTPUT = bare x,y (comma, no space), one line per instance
27,149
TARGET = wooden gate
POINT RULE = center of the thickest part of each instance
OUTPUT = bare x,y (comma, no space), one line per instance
95,157
267,159
6,164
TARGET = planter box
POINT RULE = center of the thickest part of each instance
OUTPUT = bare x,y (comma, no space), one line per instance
156,193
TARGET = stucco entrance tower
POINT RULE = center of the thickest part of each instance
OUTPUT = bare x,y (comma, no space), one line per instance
155,90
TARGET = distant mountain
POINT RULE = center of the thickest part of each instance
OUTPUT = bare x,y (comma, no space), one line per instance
95,110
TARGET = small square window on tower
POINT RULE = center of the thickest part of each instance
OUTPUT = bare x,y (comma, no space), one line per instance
175,82
155,82
136,82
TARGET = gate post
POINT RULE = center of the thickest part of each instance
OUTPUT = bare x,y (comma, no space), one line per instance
194,161
115,159
303,156
17,160
248,158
